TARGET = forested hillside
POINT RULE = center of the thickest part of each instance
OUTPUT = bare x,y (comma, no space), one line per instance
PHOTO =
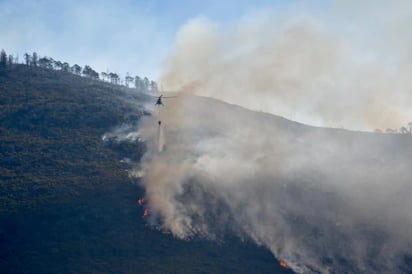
51,127
66,202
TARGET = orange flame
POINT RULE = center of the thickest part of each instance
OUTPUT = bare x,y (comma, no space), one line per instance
283,264
140,201
145,213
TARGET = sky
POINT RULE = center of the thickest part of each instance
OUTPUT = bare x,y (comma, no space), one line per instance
120,36
335,63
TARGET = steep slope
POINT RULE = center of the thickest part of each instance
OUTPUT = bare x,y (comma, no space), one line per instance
66,202
51,127
323,200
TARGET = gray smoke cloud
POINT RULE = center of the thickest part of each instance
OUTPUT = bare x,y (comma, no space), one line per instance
323,200
300,67
123,133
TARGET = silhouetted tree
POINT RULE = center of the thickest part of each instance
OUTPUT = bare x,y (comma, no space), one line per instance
114,78
138,83
95,75
34,59
128,79
89,72
27,59
403,130
86,70
104,76
410,127
58,65
52,63
3,58
10,60
45,62
66,67
76,69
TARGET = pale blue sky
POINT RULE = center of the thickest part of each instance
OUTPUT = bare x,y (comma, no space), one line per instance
122,36
136,36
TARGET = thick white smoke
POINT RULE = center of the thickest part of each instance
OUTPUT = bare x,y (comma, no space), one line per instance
323,200
300,67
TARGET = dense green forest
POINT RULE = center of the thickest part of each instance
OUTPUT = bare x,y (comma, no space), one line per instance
67,204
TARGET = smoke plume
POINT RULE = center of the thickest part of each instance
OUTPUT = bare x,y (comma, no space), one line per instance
301,67
322,200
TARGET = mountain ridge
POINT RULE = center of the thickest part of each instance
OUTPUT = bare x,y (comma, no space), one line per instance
67,203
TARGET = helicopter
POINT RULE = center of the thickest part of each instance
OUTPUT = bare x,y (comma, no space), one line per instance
160,103
159,100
